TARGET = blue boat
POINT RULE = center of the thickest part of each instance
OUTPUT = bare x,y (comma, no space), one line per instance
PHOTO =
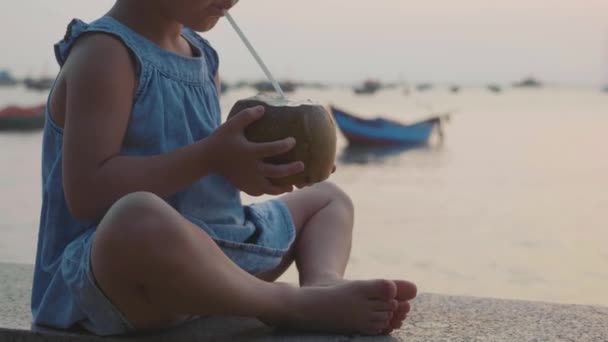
6,79
383,132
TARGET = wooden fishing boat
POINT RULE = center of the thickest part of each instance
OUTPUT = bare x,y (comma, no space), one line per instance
266,86
39,84
495,88
368,87
528,82
15,118
6,79
384,132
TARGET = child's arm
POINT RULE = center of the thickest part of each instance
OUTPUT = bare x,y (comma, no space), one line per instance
100,81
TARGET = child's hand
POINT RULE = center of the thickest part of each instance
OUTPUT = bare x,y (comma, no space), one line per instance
242,161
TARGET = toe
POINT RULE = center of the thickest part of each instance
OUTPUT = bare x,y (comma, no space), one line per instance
382,289
399,316
405,290
397,321
404,307
381,316
396,325
391,305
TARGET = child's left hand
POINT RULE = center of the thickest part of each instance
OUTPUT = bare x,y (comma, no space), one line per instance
242,161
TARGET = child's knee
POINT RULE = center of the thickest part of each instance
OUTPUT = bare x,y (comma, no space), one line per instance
138,203
337,195
138,219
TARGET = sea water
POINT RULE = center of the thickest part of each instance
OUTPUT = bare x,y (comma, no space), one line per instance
511,204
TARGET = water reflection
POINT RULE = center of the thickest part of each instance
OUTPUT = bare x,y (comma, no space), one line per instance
360,154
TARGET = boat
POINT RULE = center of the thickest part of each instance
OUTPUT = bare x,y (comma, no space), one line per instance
495,88
224,87
368,87
422,87
384,132
529,82
16,118
39,84
6,79
266,86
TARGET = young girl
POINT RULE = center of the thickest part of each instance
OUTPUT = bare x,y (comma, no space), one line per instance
142,226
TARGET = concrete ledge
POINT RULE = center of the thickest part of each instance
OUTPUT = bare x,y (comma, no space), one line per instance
433,318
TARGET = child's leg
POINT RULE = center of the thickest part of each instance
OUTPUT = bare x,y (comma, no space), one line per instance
324,216
156,267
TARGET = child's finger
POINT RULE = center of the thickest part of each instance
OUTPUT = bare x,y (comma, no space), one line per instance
301,185
246,117
273,148
283,170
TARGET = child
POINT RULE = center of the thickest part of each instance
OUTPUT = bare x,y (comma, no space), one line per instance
142,226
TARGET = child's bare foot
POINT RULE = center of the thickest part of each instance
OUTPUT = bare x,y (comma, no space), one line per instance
406,291
364,307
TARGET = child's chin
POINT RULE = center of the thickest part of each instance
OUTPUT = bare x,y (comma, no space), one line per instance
206,25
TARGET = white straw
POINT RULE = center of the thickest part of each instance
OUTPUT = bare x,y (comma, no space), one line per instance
274,82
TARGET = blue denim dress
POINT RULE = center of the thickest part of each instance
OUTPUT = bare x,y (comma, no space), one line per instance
175,104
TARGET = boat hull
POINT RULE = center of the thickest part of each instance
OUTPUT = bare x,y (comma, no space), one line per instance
16,123
14,118
382,132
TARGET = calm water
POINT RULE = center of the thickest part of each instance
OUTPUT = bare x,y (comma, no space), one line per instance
512,204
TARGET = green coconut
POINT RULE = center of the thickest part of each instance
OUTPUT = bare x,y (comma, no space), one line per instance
310,124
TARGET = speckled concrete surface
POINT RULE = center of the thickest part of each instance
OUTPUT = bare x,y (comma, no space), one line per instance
15,291
447,318
433,318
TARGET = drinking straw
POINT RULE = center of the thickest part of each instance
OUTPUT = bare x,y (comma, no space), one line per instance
255,55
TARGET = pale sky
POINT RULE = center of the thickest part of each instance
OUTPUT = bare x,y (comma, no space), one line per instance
471,42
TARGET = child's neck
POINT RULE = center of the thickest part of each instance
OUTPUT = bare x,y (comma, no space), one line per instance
151,24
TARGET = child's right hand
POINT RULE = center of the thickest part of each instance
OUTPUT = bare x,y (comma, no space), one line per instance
242,161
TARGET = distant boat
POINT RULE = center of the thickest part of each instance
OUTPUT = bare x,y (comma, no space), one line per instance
454,89
16,118
383,132
424,87
368,87
494,88
314,85
241,84
224,87
529,82
266,86
39,84
6,79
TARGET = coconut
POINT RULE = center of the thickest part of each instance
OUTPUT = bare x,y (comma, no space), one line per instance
310,124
